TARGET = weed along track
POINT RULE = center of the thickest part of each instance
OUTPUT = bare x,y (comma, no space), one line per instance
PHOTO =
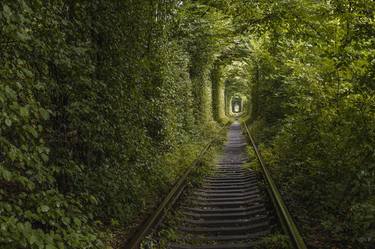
227,211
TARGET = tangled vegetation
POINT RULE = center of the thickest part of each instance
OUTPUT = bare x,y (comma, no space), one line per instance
101,110
313,108
104,103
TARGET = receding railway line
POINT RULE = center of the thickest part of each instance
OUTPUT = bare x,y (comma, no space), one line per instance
228,211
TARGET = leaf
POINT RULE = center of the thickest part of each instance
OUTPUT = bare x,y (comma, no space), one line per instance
22,36
8,122
27,72
44,113
66,220
32,239
60,245
24,112
6,174
44,157
77,221
32,131
50,246
7,11
44,208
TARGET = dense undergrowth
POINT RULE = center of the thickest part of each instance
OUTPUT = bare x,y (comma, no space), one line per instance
103,103
313,110
167,232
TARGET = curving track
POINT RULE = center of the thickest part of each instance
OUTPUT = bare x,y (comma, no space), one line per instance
227,211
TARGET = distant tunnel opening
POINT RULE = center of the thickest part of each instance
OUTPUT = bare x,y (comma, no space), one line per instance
237,105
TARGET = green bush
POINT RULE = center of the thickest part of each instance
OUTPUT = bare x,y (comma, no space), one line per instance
312,99
97,109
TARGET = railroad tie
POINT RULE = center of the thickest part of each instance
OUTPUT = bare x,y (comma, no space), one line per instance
227,211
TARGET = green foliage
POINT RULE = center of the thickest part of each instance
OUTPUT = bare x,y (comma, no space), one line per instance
312,103
97,113
274,241
168,232
104,103
208,31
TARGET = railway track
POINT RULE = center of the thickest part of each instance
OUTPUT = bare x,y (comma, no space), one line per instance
228,210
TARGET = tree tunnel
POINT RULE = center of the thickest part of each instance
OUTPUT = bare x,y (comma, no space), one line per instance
102,109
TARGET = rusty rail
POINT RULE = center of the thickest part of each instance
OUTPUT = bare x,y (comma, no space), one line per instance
283,214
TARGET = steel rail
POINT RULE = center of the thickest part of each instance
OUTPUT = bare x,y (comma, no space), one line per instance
157,216
286,219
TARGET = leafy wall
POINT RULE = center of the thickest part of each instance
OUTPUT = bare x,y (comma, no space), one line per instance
312,108
100,112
